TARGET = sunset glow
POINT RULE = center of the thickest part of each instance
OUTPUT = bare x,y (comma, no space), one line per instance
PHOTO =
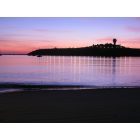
22,35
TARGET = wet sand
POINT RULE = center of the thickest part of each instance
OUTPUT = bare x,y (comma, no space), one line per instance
70,106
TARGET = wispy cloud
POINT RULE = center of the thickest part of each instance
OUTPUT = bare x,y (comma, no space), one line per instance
22,38
137,18
131,42
104,40
133,29
50,30
8,27
127,42
41,30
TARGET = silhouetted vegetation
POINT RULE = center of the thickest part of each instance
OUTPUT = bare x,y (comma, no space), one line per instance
107,49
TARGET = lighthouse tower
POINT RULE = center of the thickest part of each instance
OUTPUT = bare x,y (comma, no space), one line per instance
114,41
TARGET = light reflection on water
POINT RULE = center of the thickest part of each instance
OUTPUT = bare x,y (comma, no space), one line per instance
68,70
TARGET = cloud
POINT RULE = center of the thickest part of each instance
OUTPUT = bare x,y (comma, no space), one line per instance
137,18
41,30
4,39
130,42
104,40
133,29
8,27
22,46
127,42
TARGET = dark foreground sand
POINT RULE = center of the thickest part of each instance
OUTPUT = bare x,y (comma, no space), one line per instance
86,105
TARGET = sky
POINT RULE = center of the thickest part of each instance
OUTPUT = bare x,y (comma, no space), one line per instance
22,35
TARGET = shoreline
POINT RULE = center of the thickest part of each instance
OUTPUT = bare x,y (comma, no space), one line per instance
11,88
45,86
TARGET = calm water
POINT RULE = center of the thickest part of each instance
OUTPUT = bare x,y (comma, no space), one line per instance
67,70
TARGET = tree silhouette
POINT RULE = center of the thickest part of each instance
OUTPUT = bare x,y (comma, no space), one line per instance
114,41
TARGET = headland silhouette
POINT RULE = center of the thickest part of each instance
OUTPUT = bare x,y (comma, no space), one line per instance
107,49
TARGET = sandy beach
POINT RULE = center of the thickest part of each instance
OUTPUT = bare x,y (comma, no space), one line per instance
71,106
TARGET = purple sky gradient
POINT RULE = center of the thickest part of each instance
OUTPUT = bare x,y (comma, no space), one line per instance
22,35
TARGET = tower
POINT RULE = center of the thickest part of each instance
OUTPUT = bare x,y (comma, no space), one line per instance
114,41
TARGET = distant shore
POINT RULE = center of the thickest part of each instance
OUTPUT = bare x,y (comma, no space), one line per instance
81,105
106,50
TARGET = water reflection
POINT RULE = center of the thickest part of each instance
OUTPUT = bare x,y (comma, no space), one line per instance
86,69
95,71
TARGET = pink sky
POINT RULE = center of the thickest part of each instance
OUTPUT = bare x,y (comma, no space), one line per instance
22,35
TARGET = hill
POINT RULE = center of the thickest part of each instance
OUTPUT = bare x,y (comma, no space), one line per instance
94,50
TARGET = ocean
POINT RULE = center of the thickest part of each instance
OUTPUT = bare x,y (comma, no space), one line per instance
70,70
